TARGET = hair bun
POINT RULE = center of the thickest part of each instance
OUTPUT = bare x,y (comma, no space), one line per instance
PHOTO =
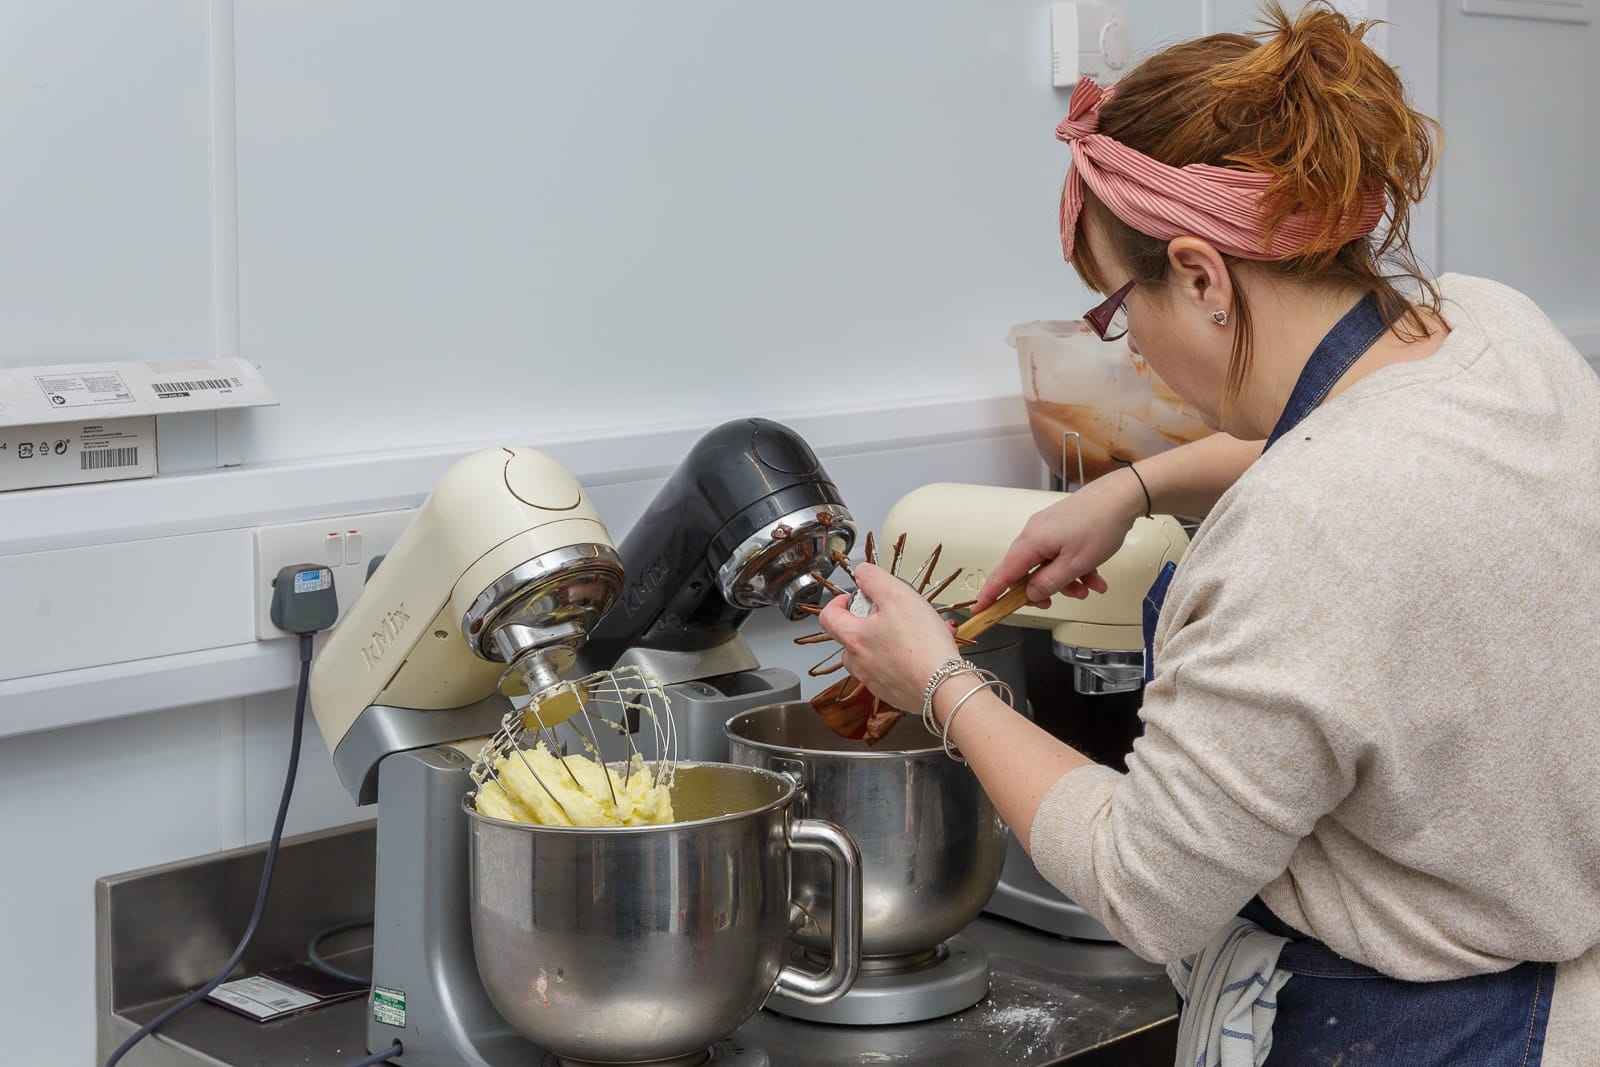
1315,107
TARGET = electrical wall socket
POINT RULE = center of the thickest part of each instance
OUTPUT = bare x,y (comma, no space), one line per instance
345,543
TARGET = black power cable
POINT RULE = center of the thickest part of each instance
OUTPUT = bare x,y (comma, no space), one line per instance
261,893
314,952
378,1057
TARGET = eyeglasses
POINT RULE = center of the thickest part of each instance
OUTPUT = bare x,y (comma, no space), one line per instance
1109,319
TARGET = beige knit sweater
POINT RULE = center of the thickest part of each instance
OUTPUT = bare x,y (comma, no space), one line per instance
1377,685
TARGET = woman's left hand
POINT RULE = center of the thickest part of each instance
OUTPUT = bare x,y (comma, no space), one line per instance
896,648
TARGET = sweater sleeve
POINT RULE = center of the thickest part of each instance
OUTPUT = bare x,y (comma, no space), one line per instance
1233,770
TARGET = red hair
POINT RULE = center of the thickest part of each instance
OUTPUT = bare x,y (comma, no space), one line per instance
1308,103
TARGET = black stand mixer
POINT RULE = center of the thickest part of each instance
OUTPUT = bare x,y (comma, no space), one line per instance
742,523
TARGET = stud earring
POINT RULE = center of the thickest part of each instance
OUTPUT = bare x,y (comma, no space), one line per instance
1219,317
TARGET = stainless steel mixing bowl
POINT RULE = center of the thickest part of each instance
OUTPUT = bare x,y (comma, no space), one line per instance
932,845
626,944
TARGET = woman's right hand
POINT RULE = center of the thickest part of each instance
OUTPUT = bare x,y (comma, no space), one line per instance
1071,537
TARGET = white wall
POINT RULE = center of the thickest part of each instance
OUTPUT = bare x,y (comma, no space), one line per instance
499,214
432,223
543,215
105,189
1521,202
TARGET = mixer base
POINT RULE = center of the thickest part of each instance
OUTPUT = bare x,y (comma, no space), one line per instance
722,1054
957,980
1024,896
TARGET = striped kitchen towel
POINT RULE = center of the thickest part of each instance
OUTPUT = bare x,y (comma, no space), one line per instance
1229,990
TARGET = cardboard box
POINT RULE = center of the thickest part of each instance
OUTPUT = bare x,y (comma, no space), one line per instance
96,422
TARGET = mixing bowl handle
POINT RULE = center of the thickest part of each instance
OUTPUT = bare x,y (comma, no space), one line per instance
794,770
818,835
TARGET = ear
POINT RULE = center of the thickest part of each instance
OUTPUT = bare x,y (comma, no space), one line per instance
1196,269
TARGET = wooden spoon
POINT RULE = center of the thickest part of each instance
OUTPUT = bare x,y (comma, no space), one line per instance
849,710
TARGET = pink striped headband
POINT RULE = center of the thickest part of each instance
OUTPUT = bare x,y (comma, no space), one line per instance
1219,204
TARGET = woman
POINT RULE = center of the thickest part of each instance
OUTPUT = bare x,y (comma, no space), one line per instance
1369,778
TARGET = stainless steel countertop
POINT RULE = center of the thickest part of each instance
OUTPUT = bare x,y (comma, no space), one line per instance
1049,999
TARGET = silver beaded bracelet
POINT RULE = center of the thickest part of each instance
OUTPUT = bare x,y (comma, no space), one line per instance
945,670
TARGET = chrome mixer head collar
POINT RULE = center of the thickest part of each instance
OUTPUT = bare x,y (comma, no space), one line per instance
536,616
780,563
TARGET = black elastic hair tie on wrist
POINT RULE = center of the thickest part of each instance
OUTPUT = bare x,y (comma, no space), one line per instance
1128,463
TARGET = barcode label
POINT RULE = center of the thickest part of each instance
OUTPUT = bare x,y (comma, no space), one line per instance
180,388
102,458
260,997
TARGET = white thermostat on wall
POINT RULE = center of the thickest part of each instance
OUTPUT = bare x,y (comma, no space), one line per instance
1087,40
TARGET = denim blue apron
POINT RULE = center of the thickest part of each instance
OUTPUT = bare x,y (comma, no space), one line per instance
1347,342
1334,1010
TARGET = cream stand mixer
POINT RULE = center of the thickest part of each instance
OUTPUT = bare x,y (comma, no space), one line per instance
489,593
1102,636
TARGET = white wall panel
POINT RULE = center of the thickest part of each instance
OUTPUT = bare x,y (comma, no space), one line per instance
105,187
1522,148
319,800
548,216
75,805
81,607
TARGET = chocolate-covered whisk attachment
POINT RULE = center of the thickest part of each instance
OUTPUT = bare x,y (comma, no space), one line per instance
847,707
